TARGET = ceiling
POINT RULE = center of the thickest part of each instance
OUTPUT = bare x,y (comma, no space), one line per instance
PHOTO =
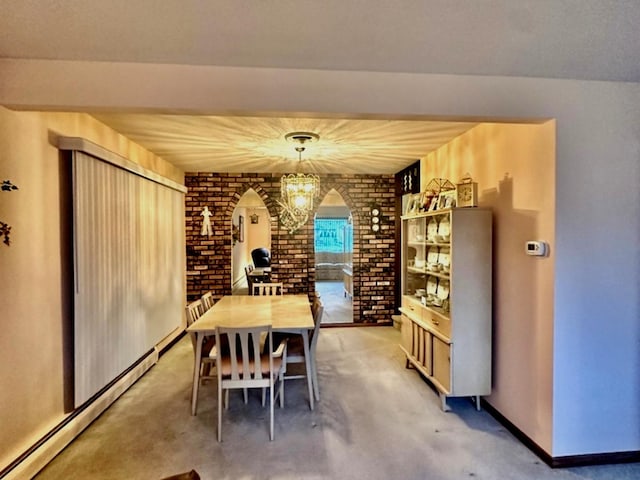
257,144
569,39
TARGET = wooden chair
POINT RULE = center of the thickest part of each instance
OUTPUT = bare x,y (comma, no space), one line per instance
295,350
248,367
207,301
208,359
267,288
247,271
315,304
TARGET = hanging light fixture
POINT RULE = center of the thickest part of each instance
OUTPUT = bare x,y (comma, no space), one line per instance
298,190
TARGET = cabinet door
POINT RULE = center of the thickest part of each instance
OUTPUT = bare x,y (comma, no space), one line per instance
442,363
406,334
425,347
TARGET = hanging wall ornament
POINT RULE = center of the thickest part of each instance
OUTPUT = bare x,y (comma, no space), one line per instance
5,228
207,228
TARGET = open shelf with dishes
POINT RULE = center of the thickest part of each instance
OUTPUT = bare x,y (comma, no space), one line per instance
446,299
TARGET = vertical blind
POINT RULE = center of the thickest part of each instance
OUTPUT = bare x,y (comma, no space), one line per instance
128,268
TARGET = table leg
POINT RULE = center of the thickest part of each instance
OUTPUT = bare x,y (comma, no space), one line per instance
196,371
307,362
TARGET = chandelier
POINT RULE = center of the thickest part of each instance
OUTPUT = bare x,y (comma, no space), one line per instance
298,190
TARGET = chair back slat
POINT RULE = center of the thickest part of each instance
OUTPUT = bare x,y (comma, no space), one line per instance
317,319
207,301
267,288
194,311
244,351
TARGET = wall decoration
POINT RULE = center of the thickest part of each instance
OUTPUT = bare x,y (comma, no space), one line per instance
409,178
235,233
375,218
5,228
254,218
207,228
241,229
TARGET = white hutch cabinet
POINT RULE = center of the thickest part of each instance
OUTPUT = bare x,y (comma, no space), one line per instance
446,299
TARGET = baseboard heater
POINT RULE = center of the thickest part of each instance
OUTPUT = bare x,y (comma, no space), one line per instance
44,450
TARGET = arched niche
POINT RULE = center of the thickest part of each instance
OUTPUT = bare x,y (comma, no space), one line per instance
251,229
333,257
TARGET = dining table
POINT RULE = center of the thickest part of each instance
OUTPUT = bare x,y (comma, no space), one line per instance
284,313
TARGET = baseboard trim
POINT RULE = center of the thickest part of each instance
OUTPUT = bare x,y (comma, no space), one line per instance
44,450
567,461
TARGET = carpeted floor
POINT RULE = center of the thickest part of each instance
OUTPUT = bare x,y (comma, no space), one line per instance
375,420
338,308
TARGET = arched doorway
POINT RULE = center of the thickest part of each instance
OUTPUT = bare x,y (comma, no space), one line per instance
333,245
250,230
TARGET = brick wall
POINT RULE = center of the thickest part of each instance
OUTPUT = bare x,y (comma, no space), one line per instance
209,258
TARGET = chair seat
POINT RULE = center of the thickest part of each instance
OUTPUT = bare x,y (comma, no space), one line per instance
225,366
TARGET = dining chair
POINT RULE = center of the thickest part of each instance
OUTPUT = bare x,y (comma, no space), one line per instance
267,289
247,272
261,257
315,303
295,351
208,358
207,301
242,365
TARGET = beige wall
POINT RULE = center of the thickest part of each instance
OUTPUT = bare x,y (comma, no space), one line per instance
596,298
31,343
514,166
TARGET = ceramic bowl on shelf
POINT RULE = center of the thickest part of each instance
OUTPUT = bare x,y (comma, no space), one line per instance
442,238
419,263
420,292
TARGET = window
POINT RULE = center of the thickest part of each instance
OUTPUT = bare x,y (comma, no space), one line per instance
329,234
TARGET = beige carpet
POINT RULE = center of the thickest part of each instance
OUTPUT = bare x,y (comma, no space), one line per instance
375,420
338,308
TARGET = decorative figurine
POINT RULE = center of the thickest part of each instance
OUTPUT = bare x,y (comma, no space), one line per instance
206,222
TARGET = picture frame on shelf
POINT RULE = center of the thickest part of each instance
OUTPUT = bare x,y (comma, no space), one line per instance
447,199
407,203
414,202
433,206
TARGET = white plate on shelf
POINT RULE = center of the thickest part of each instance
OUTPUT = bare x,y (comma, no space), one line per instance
443,290
432,255
444,257
432,285
432,230
444,229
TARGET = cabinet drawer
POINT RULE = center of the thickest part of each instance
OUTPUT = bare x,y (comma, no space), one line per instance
439,323
412,305
442,363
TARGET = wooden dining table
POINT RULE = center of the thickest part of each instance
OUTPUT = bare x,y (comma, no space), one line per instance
284,313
